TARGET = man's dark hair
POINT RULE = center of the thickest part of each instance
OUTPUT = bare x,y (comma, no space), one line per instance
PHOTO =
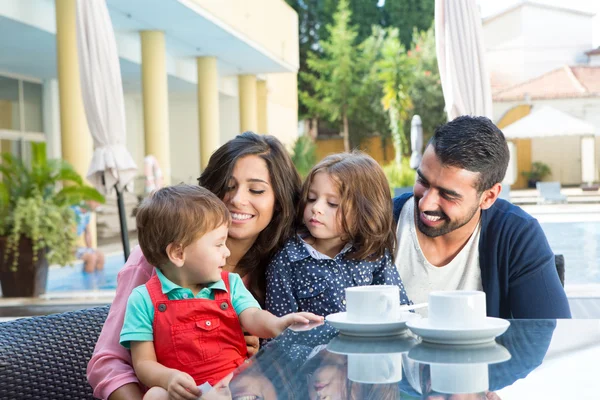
474,144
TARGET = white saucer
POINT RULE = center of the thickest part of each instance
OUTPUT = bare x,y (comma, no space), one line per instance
432,353
492,328
384,328
350,345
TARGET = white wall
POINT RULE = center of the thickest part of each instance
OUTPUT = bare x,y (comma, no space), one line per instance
532,40
554,38
503,39
184,137
562,154
594,60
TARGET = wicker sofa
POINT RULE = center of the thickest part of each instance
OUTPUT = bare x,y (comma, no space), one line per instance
46,357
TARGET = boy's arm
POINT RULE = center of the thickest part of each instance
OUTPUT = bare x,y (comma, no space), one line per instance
265,325
151,373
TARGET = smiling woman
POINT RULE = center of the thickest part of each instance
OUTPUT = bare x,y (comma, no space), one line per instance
254,176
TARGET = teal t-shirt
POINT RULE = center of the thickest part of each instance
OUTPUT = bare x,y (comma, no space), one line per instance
139,314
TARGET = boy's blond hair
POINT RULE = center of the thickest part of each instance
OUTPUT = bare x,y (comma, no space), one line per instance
177,214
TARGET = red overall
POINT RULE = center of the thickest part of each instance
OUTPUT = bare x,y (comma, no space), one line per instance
201,337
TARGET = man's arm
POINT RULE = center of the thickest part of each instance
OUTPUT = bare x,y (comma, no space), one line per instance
535,290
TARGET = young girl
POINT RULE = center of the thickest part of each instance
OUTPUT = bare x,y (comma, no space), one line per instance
184,326
346,240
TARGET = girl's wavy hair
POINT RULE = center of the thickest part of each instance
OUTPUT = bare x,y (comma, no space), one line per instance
365,208
285,182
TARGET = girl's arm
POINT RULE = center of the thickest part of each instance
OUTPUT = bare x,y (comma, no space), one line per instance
386,273
110,371
265,325
151,373
279,298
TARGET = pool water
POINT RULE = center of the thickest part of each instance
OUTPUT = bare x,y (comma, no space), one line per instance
579,242
72,278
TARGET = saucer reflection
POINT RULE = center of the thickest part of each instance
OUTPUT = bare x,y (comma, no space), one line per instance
459,369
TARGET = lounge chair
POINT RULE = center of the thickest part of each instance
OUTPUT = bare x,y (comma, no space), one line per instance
549,192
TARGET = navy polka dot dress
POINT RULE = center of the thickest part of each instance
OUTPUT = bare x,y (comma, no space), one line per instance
299,278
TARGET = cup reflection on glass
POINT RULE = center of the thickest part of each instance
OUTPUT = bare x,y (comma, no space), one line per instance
455,378
375,368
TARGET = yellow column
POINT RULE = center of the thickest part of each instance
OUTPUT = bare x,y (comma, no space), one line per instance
5,123
76,141
156,100
208,107
261,93
248,106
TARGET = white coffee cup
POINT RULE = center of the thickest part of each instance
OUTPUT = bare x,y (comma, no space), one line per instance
372,303
459,378
375,368
457,309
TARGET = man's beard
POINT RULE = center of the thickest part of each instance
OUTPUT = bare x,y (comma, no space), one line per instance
447,226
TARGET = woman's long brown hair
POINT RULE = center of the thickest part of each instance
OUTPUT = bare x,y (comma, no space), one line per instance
285,182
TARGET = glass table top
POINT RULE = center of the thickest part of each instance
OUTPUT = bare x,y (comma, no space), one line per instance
533,359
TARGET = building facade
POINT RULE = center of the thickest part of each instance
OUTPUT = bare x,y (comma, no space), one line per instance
195,73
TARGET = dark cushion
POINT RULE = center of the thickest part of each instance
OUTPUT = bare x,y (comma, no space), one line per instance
46,357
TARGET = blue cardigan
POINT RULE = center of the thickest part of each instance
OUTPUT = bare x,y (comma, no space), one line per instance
518,271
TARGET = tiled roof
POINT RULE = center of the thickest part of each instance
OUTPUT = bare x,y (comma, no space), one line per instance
561,83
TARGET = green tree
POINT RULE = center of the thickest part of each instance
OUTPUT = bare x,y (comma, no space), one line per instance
313,18
396,74
334,74
426,92
406,15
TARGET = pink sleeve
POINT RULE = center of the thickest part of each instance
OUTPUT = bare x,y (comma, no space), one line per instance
110,365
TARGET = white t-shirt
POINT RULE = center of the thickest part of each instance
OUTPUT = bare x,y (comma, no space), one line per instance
421,277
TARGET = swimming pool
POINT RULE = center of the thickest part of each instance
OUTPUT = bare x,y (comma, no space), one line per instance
579,242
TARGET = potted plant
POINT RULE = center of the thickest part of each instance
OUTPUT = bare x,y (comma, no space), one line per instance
538,172
37,225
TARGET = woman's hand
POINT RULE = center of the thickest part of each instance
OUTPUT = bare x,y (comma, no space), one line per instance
252,343
181,386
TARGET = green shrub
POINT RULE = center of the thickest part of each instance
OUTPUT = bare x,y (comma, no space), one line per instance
400,175
304,155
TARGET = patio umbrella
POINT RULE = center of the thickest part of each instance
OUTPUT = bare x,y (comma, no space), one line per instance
416,141
102,92
461,59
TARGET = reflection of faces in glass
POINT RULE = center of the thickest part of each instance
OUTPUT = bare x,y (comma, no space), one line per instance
251,384
328,381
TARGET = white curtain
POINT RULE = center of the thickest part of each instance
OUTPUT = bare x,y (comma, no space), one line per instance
102,92
461,59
